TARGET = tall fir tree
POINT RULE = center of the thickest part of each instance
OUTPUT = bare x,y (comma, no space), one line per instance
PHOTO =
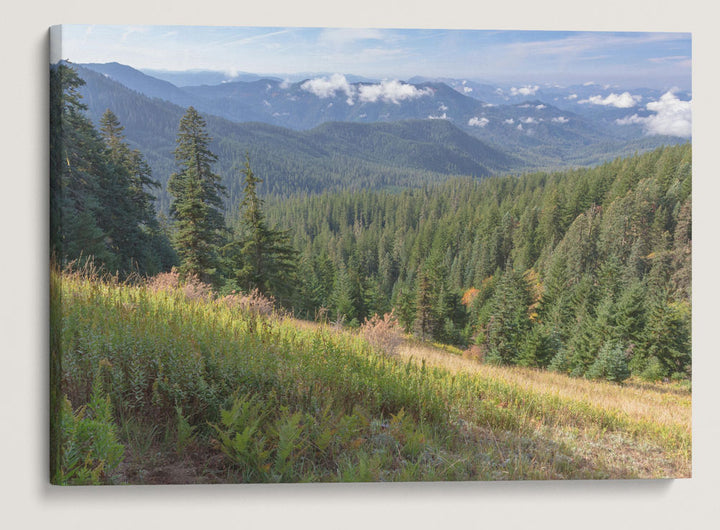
197,204
261,257
132,222
77,166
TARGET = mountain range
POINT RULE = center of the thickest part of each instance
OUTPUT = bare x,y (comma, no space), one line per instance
336,131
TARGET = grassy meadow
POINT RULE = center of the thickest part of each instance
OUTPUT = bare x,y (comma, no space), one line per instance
156,382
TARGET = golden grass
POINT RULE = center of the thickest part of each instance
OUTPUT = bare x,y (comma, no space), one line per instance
652,438
660,403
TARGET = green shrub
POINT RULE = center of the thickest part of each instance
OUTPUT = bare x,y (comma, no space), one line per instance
91,451
610,364
653,370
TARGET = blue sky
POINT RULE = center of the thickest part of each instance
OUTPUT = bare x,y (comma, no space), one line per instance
657,60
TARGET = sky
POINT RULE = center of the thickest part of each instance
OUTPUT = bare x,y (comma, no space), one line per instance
653,60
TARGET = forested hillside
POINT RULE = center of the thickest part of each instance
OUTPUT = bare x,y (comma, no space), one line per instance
543,270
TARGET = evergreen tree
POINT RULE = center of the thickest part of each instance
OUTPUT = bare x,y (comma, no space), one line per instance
262,258
406,308
131,220
196,206
424,303
77,166
509,321
667,334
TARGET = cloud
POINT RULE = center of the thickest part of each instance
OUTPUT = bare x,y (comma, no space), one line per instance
285,84
478,122
560,119
345,36
683,59
572,96
527,90
509,121
529,120
391,92
442,107
324,87
466,89
443,116
673,117
621,101
540,107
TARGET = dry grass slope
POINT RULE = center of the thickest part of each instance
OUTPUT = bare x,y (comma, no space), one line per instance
653,439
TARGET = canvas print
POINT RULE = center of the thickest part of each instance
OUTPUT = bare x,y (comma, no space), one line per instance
333,255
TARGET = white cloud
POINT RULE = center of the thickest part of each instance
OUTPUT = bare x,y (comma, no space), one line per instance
442,107
590,83
527,90
467,89
673,117
266,103
572,96
478,122
621,101
285,84
488,104
628,120
560,119
683,59
541,106
232,72
443,116
528,120
391,92
509,121
519,127
524,106
324,87
345,36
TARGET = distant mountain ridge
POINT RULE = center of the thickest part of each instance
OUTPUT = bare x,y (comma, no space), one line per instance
540,133
342,144
330,156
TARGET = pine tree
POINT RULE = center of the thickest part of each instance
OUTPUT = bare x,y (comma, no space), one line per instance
196,205
129,213
77,165
423,304
509,321
261,257
667,334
